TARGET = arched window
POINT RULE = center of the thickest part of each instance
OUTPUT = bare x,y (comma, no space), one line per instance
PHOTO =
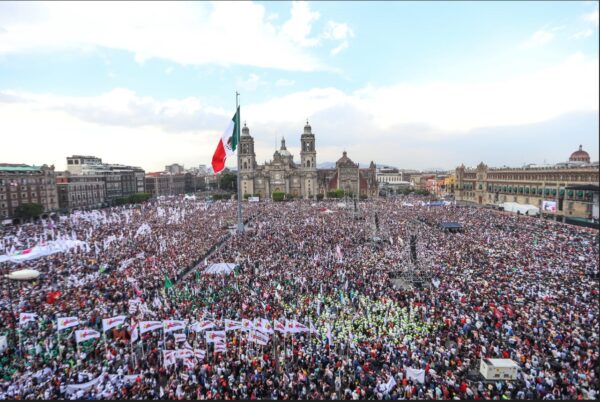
245,165
308,163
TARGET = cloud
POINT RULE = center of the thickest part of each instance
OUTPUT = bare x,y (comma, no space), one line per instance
187,33
284,83
539,38
381,123
582,34
249,84
339,32
298,27
592,16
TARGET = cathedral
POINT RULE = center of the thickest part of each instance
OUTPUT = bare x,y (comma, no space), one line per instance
301,180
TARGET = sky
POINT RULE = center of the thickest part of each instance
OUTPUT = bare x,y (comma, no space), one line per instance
416,85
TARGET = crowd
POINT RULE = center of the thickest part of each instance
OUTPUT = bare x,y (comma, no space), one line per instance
508,286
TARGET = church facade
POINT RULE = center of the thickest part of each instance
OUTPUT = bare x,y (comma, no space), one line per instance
301,180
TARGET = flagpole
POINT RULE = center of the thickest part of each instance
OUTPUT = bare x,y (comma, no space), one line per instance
240,227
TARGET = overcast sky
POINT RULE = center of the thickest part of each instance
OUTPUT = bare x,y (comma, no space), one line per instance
413,85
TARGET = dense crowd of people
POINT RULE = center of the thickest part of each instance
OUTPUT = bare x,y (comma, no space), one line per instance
507,286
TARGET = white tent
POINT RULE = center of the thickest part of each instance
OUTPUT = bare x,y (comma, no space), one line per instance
524,209
220,268
23,275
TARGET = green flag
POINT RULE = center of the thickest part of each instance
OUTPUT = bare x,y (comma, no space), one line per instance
168,283
197,276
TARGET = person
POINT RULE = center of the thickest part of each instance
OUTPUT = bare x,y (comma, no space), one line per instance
509,287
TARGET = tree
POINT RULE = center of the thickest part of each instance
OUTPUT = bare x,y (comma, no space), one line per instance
28,211
320,197
227,181
278,195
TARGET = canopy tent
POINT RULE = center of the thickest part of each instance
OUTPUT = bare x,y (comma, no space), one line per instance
525,209
224,268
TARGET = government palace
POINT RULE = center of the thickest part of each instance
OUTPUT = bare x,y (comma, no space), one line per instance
301,180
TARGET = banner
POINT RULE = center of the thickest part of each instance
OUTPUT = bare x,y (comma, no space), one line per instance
42,250
231,325
83,335
147,326
110,323
214,336
415,374
24,318
66,322
173,325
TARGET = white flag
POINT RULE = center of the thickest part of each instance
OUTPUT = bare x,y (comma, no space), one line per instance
83,335
214,336
280,326
135,334
179,337
202,325
67,322
173,325
415,374
110,323
247,325
265,327
183,353
169,358
390,384
24,318
231,325
199,354
147,326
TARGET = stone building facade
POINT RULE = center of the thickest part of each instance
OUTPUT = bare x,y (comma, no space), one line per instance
23,184
301,180
80,191
533,184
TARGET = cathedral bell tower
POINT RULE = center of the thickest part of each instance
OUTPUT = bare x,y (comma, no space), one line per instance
308,154
308,161
247,161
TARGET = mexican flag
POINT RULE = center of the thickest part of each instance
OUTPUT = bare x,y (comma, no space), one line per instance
227,144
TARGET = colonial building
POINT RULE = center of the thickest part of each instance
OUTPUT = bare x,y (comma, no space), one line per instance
348,176
302,180
532,184
161,183
80,191
121,180
23,184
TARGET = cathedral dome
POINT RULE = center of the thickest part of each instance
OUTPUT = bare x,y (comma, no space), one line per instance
579,156
245,130
283,150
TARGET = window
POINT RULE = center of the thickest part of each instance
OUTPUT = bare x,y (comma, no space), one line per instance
570,205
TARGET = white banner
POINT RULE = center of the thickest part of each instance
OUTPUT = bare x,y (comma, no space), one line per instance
83,335
66,322
27,317
214,336
231,325
173,325
147,326
42,250
110,323
415,374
